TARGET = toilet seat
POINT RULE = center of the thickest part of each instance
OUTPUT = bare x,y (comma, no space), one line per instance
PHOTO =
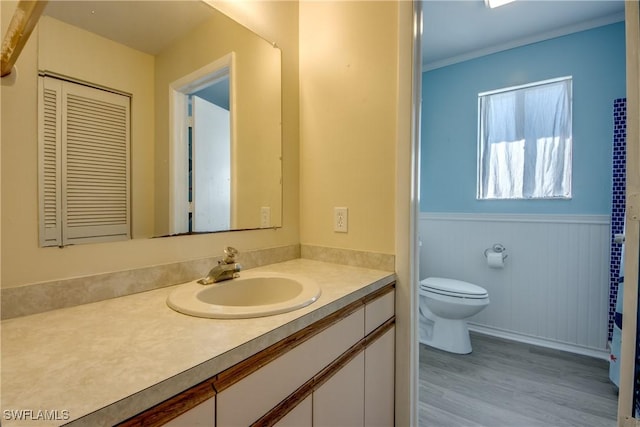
452,288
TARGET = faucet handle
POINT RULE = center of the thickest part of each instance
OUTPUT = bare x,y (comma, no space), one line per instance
230,255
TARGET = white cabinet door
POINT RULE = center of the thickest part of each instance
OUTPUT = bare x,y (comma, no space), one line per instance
340,401
253,396
203,415
379,381
300,416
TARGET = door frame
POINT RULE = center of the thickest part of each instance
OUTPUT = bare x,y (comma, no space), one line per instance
632,232
178,134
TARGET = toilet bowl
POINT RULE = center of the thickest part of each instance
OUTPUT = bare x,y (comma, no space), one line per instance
445,306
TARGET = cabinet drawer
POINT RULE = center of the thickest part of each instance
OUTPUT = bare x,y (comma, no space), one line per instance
379,310
273,382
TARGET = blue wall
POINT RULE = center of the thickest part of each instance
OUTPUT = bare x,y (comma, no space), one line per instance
596,60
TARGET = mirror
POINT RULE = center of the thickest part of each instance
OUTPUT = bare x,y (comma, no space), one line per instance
170,56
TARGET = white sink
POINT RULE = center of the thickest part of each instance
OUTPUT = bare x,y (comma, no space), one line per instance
250,295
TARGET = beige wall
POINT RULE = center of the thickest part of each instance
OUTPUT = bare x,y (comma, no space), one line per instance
355,134
23,262
348,104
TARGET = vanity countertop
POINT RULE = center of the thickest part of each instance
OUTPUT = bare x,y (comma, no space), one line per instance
100,363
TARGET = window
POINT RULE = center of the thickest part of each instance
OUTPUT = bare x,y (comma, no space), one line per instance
83,164
524,141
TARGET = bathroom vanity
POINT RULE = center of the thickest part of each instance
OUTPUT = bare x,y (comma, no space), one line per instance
134,361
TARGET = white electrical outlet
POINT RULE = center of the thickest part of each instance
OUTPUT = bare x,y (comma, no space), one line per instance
265,217
340,220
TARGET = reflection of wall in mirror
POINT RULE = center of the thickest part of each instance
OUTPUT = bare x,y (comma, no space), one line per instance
257,167
76,53
260,114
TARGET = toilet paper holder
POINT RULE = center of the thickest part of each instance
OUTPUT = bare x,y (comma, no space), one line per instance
496,248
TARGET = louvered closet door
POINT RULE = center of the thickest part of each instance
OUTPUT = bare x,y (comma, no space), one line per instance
49,158
95,176
84,164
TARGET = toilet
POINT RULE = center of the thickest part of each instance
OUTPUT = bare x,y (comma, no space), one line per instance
445,306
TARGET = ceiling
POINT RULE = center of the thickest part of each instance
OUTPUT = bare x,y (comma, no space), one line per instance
147,26
458,30
454,30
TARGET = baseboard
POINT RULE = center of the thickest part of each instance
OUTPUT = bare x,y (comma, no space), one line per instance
541,342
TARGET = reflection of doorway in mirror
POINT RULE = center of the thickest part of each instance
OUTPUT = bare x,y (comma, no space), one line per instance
202,149
210,172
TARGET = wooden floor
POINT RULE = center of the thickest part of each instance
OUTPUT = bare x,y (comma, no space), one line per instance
508,384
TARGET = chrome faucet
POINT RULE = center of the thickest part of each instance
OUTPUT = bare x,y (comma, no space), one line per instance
226,269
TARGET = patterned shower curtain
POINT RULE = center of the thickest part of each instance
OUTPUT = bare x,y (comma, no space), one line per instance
617,202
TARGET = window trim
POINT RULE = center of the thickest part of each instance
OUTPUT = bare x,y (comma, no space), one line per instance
524,86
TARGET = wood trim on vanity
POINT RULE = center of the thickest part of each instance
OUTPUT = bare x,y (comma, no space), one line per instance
379,331
380,292
173,407
179,404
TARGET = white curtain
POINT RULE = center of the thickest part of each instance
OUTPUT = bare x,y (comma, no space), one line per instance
525,142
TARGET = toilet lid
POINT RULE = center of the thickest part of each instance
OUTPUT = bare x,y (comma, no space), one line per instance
453,287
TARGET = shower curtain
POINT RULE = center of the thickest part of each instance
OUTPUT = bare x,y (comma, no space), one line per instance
616,292
618,201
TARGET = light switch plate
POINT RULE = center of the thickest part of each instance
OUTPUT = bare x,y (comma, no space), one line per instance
265,217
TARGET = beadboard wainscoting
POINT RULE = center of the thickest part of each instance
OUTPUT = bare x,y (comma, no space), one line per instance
554,288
